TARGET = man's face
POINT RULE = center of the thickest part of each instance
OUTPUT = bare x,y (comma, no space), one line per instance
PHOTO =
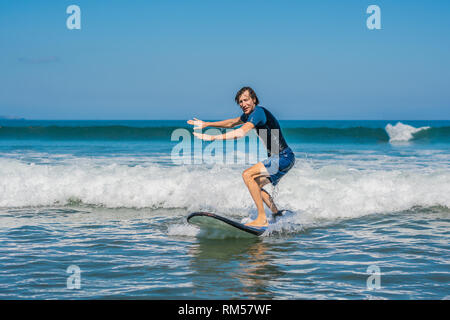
246,102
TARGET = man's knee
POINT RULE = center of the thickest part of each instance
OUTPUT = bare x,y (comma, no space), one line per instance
262,180
247,175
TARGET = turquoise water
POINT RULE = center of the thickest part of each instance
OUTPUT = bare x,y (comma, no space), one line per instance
107,197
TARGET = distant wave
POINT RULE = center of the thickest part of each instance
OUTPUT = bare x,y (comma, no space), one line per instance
402,132
325,134
391,133
116,132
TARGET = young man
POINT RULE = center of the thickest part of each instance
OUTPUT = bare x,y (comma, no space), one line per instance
281,158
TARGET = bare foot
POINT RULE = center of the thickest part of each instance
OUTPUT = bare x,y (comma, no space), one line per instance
258,223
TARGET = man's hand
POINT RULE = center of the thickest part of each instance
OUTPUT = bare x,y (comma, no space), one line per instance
203,136
198,124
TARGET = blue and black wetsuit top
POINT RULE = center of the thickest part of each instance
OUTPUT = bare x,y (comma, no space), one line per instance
267,128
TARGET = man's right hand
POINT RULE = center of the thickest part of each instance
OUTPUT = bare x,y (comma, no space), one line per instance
198,124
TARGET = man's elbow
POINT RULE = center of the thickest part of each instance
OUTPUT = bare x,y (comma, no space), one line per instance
233,124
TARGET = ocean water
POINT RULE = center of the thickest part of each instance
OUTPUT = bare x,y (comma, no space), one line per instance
97,209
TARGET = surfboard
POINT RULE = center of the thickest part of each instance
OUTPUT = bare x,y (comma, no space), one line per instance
214,223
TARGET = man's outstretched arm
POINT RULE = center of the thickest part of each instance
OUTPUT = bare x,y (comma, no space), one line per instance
235,134
229,123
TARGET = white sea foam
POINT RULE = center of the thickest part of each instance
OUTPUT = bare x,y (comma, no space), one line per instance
183,230
402,132
328,192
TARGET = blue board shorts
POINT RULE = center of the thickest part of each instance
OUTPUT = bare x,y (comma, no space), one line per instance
278,165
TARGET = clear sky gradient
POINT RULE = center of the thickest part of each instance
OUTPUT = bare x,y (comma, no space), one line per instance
180,59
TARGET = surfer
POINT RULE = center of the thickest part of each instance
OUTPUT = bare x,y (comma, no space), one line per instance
280,157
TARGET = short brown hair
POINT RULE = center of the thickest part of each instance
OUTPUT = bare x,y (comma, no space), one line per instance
250,91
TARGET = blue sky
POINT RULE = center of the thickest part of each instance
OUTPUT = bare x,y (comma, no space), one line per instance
181,59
